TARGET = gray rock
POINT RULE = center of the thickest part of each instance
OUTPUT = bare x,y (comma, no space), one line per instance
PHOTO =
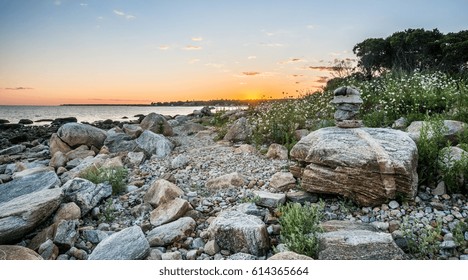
277,151
127,244
48,250
154,144
23,214
162,191
16,149
239,131
464,257
393,204
232,180
171,256
66,234
251,209
344,240
239,232
283,181
211,248
169,233
28,184
132,130
135,158
77,134
369,165
440,189
85,194
95,236
198,243
179,161
289,255
120,142
156,123
14,252
301,197
453,128
242,257
169,211
448,244
192,128
192,255
270,200
400,123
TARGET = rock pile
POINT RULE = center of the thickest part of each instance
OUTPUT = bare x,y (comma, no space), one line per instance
347,101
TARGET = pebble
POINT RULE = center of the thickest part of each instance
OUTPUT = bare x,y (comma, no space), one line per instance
393,204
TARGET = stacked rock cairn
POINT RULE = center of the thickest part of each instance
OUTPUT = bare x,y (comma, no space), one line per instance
347,101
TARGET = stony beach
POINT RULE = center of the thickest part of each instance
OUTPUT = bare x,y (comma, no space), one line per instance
189,195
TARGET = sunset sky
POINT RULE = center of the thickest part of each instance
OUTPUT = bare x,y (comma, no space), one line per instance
65,51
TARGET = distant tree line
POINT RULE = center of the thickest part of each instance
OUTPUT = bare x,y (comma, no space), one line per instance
414,49
217,102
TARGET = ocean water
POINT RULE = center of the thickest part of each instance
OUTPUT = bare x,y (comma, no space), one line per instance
89,113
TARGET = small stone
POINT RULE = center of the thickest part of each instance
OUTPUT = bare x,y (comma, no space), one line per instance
48,250
393,204
211,248
66,233
171,256
192,255
155,254
283,181
448,244
464,257
440,189
270,200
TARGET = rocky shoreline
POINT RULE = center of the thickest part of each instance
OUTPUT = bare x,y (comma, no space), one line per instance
188,196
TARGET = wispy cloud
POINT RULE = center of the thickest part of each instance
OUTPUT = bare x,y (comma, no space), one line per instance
197,39
122,14
164,47
192,61
252,57
292,60
297,75
192,48
83,4
250,73
19,88
320,68
311,26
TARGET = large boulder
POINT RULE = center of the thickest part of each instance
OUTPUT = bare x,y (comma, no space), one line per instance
154,144
368,165
77,134
120,142
169,211
169,233
344,240
453,129
157,123
227,181
238,232
239,131
85,194
23,214
162,191
128,244
14,252
28,184
57,145
132,130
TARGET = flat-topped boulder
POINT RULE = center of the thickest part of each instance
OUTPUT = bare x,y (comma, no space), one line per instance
344,240
368,165
28,184
156,123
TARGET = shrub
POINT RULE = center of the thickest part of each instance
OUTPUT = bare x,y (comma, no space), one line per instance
300,227
116,176
454,172
431,142
423,243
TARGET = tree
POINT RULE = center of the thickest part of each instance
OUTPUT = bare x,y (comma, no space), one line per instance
374,55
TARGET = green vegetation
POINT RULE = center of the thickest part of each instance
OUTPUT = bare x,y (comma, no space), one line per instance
116,176
459,235
300,227
425,243
108,214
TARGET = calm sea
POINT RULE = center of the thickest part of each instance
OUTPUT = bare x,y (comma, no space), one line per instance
89,113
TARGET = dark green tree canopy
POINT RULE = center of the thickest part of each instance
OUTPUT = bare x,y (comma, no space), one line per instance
414,49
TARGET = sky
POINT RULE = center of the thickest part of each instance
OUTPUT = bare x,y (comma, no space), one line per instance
140,51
